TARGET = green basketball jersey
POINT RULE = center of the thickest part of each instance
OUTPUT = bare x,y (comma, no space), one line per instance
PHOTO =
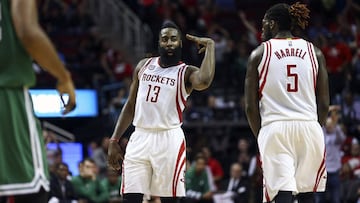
15,63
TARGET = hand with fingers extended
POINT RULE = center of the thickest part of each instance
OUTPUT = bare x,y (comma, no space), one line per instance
201,42
67,87
115,155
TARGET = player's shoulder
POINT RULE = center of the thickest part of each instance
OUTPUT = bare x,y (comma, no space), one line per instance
191,68
258,51
317,50
142,62
146,60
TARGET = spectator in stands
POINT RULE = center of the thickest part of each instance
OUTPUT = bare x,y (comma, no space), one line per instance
106,57
237,184
100,157
355,71
121,69
191,113
87,186
119,100
238,67
54,157
253,33
334,138
338,57
351,173
221,38
214,165
61,189
112,184
246,158
197,182
318,30
350,114
91,147
354,7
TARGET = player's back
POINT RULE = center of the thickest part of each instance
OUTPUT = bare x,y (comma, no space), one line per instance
287,80
15,64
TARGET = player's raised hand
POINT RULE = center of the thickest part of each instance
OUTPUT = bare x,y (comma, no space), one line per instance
67,87
201,42
115,155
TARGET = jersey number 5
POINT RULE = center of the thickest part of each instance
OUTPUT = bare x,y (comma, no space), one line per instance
153,93
292,87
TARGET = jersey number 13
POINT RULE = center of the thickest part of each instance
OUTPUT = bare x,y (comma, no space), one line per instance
152,93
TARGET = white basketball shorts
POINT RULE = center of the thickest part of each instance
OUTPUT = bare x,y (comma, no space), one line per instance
293,157
154,163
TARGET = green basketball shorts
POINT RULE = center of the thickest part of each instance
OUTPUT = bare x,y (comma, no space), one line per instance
23,166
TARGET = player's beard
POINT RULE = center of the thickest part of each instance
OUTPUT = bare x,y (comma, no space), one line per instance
266,34
167,60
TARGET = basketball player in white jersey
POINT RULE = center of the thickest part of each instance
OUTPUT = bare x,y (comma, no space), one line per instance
287,100
154,161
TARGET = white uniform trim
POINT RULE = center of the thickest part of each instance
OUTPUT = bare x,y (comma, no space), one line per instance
39,176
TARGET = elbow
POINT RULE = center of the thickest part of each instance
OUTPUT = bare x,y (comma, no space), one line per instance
206,83
203,84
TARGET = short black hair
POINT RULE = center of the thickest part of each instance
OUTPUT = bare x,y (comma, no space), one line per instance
169,24
87,159
280,14
289,16
62,164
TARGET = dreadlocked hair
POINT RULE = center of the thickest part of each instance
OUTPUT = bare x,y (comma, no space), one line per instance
300,14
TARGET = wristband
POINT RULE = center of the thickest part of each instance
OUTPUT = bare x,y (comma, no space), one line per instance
114,140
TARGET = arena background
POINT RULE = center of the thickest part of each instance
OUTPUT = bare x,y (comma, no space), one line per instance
102,41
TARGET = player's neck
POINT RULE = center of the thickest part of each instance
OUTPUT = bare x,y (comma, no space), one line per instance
284,34
165,62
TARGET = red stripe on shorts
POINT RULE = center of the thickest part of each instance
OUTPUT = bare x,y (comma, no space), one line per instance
320,172
177,168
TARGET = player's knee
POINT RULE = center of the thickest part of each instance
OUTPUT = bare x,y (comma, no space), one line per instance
133,198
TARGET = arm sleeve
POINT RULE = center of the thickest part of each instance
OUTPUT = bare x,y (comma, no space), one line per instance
340,136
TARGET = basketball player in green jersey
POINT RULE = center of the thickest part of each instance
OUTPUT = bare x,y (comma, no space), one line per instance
23,167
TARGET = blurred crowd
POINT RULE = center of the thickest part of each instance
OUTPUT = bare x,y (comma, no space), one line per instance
223,162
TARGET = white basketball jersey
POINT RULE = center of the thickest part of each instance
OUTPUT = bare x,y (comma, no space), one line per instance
161,96
287,81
